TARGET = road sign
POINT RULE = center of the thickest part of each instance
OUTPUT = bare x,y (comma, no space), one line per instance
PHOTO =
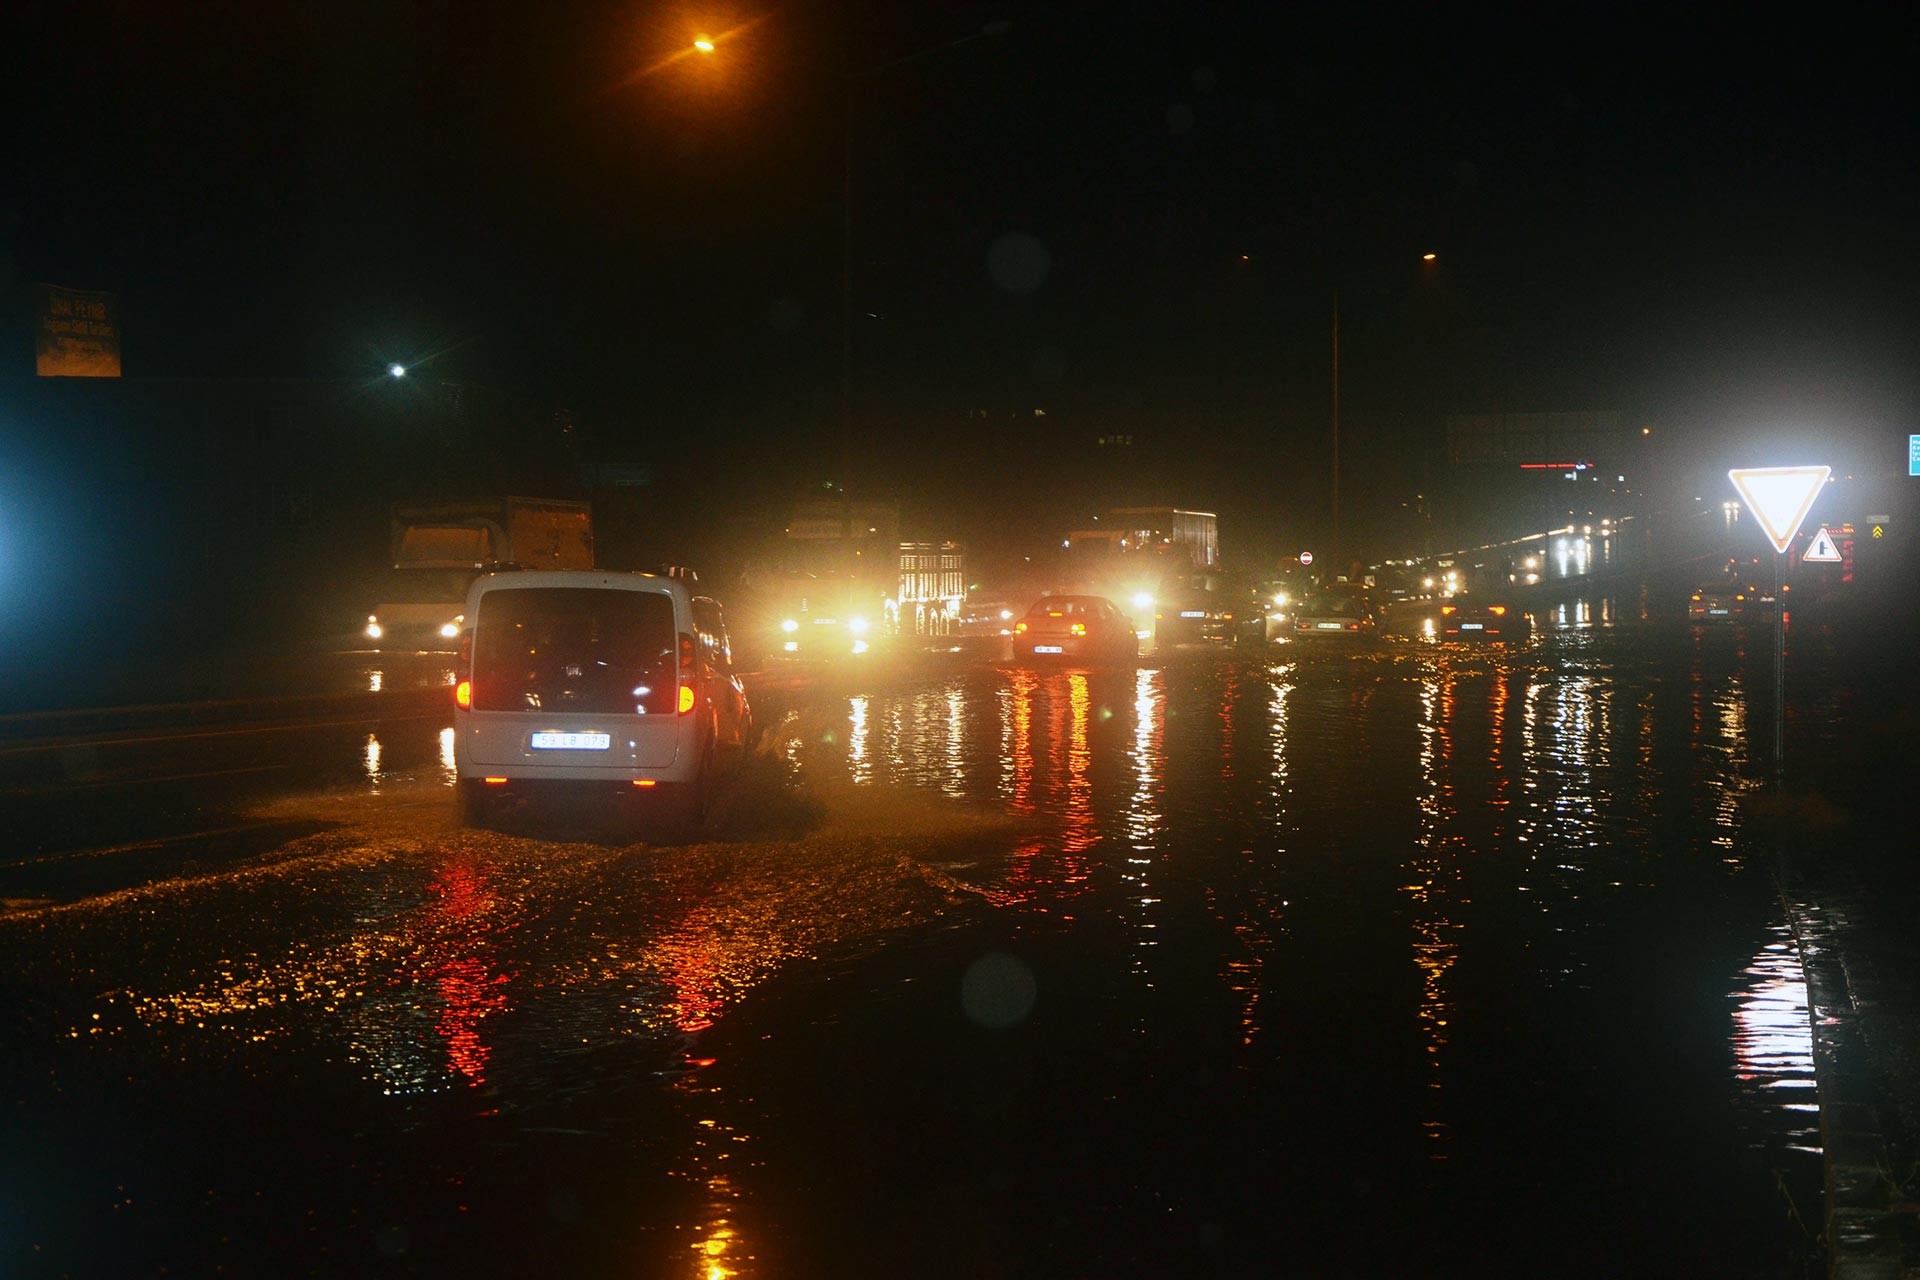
1306,557
1822,551
1780,497
1913,455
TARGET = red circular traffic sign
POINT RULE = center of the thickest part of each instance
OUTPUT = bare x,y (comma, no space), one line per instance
1306,557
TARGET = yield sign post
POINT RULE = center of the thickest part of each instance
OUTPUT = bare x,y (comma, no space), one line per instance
1780,498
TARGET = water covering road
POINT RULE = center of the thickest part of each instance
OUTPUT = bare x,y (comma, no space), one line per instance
1404,959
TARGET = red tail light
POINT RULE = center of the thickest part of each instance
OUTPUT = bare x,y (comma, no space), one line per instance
643,782
687,669
1079,628
463,695
1445,609
1497,610
1353,626
466,648
1019,628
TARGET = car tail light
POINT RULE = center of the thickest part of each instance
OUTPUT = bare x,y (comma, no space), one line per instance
466,648
1353,626
1446,610
463,695
495,782
1079,628
1019,628
1497,610
686,672
643,782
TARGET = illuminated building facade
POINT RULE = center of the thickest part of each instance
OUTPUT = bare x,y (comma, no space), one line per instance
933,586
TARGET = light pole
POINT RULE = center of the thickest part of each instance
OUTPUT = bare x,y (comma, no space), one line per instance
1338,557
853,79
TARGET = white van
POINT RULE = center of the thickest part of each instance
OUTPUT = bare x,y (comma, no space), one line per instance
615,682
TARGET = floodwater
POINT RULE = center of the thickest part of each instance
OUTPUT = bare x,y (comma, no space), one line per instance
1400,959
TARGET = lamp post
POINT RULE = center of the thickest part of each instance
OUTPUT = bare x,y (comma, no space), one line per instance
853,80
1338,558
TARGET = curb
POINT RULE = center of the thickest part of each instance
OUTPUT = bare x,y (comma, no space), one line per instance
1863,1235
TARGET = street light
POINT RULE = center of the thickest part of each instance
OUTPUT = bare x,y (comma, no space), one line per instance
1339,549
396,370
703,44
997,27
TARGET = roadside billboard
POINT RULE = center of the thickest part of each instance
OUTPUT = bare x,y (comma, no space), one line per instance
77,334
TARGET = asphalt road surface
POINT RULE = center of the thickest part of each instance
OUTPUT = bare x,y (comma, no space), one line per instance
1395,959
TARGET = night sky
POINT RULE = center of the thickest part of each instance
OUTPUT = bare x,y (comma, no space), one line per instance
1132,217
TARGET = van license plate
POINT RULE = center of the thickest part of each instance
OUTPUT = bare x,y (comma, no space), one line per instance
1047,648
572,741
1473,626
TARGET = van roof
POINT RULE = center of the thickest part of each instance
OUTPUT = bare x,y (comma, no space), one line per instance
601,579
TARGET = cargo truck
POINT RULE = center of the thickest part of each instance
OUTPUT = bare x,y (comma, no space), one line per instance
438,548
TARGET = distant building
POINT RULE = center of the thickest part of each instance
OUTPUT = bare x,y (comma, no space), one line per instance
1511,473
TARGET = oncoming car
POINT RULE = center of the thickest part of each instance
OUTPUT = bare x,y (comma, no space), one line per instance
615,684
1089,627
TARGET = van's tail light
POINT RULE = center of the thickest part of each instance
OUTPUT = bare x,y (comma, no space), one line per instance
463,695
687,661
466,648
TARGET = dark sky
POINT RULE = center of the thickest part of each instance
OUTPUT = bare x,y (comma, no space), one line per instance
1133,216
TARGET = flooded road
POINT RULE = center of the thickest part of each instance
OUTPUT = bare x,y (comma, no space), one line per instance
1398,960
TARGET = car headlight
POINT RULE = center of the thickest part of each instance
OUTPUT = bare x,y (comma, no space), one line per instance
790,625
450,630
373,629
1142,600
859,627
859,646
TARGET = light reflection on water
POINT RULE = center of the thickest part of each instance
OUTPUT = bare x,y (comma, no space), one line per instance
1546,779
1221,838
1773,1039
1434,883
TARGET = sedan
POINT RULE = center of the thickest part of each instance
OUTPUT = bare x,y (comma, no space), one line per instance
1475,619
1089,627
1332,616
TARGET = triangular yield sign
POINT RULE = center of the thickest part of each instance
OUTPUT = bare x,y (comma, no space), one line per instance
1779,497
1823,551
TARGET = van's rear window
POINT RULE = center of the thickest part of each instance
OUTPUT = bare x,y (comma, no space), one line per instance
579,649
